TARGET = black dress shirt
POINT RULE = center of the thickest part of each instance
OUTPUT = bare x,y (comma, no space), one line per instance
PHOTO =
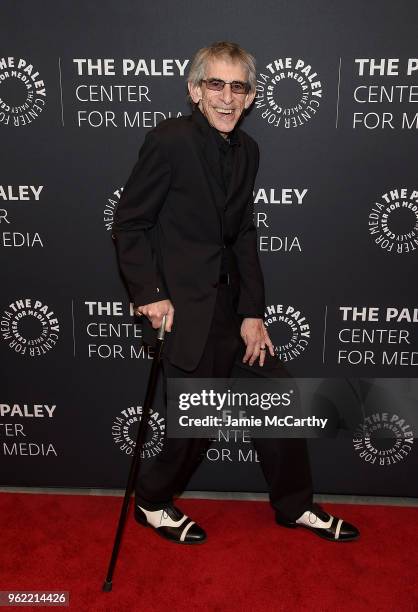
227,148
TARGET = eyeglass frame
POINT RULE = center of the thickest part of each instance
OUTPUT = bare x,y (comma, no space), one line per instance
244,83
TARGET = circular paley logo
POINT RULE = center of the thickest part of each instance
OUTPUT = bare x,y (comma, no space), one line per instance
386,440
289,93
289,330
22,92
29,327
125,428
393,221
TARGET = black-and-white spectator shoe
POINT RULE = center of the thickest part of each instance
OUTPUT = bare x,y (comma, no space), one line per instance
171,524
323,524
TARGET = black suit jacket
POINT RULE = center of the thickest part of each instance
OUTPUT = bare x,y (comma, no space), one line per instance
170,229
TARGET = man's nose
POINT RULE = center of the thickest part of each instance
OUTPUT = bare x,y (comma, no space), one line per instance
227,96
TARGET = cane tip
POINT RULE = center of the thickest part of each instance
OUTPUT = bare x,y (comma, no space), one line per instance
107,586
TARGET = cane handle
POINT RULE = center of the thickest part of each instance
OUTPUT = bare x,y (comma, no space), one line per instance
161,329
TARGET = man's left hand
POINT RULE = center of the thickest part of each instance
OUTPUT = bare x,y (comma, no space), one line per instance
257,341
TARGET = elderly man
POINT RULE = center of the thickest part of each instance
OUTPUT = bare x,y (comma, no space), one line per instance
187,249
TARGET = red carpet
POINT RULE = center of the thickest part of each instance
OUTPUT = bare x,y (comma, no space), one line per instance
63,542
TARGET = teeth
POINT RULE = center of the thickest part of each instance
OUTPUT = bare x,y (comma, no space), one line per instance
225,111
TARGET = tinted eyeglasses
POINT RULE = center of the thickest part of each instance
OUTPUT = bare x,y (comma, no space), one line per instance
238,87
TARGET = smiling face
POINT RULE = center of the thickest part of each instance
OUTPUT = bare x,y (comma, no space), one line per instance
222,108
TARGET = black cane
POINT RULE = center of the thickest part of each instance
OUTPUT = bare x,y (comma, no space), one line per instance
140,438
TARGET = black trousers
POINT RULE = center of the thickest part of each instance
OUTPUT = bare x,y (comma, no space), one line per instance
284,461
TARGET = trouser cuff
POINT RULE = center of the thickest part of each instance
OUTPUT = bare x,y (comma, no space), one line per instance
154,505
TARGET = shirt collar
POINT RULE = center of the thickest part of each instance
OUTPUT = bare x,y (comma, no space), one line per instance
222,142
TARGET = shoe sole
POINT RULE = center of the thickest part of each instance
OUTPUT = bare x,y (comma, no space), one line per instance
145,523
323,536
338,540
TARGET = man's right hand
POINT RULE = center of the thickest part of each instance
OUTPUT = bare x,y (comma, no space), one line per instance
155,312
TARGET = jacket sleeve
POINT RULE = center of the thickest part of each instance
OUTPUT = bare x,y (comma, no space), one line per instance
251,301
136,215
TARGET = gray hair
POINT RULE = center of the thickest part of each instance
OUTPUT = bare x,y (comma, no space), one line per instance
227,50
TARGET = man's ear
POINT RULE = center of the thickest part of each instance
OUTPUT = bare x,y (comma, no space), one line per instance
195,92
249,99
